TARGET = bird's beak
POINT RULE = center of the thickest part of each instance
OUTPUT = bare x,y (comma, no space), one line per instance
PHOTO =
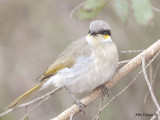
92,33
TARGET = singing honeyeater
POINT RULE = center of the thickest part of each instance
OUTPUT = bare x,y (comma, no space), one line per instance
84,65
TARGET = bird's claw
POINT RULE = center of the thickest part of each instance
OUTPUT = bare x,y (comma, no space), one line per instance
104,90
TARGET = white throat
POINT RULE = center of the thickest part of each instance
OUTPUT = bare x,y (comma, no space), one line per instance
91,39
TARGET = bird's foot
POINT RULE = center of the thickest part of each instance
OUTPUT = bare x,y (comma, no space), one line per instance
77,102
104,90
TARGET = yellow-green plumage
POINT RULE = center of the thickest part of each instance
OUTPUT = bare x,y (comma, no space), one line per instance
23,97
54,68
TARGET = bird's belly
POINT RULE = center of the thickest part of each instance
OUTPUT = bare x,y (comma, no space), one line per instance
86,75
89,80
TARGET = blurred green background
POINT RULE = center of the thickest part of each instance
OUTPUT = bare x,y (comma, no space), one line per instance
33,33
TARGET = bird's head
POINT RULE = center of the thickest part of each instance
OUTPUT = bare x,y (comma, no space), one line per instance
99,28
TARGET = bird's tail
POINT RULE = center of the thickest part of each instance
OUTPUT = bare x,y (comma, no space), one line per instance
23,97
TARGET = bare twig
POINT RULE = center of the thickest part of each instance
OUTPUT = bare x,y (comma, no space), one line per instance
154,78
76,8
156,114
6,112
132,51
31,102
156,9
121,63
96,117
38,104
40,98
151,74
135,62
148,83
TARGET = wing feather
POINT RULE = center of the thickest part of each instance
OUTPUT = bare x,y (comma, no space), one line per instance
68,57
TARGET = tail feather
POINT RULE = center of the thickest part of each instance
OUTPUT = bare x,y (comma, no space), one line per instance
23,97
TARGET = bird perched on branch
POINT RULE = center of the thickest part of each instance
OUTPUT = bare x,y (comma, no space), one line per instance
85,64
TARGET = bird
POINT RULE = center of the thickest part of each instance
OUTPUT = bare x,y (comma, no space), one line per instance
87,63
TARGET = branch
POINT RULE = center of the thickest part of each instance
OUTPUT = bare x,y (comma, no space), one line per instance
155,115
148,83
154,78
121,63
131,65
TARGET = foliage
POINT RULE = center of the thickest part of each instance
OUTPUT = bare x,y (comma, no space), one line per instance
142,10
121,7
90,9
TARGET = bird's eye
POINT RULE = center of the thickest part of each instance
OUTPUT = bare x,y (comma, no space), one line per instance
106,32
89,32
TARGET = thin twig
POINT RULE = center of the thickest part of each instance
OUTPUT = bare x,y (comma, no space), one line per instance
148,83
132,51
156,114
40,98
38,104
6,112
121,63
151,75
96,117
155,9
154,78
76,8
31,102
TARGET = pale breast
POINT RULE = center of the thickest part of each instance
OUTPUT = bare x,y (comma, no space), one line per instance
89,71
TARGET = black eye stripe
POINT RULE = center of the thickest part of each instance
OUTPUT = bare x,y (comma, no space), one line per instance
105,32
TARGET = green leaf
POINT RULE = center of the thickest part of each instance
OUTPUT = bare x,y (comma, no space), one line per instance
90,9
121,7
142,11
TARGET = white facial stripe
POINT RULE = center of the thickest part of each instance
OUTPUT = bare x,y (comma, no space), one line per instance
88,39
